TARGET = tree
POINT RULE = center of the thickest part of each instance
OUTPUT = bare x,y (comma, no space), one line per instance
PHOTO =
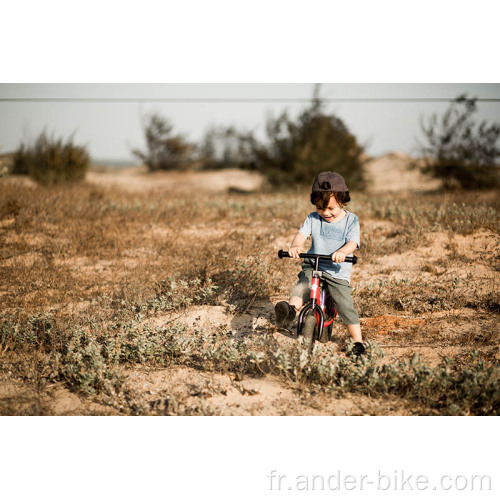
458,151
317,141
164,150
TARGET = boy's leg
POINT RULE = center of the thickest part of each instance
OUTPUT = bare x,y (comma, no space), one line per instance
340,291
296,302
286,311
355,331
302,289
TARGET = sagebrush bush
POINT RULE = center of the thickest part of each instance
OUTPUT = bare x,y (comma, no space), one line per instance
174,295
92,363
164,149
3,169
460,152
226,147
317,141
51,161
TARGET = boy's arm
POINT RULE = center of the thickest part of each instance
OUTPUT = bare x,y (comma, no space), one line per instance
343,252
297,245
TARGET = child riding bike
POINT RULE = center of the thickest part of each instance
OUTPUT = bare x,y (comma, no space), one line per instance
333,231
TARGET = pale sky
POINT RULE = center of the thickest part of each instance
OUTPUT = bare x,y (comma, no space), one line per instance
110,130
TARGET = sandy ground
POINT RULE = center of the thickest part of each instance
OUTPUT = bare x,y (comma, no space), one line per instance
138,179
387,173
391,173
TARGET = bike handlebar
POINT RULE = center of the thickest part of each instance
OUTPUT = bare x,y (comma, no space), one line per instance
283,253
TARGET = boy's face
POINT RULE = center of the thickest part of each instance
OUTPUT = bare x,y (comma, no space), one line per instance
331,211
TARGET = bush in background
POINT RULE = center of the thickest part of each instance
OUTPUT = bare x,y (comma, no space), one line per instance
295,150
226,147
460,152
50,161
298,150
164,149
4,170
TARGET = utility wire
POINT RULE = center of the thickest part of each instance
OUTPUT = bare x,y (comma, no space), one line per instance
237,99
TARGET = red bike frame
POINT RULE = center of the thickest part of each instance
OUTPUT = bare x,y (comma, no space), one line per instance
316,304
318,294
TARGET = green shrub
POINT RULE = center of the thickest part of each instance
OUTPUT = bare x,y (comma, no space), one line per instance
226,147
295,150
460,152
4,170
83,367
175,295
50,161
164,150
298,150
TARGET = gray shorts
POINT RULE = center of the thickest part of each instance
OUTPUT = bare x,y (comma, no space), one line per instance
340,290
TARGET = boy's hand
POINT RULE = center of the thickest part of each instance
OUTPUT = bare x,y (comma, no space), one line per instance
338,257
294,252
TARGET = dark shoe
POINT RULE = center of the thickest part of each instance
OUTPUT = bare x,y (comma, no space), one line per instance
358,349
285,314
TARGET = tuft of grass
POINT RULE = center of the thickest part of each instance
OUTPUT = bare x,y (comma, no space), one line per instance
174,295
93,364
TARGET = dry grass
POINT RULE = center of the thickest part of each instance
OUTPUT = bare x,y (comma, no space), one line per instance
83,269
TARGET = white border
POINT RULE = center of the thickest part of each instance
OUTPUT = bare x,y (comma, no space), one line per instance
258,41
232,457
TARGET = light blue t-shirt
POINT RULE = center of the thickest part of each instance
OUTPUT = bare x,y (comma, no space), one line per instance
328,237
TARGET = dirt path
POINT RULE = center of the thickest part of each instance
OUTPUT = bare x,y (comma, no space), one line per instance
392,172
137,179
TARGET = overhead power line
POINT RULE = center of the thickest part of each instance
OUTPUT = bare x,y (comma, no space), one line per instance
223,100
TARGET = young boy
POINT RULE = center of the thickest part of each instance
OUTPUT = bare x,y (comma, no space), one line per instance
334,231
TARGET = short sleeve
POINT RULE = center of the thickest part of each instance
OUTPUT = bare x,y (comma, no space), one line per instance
306,228
353,231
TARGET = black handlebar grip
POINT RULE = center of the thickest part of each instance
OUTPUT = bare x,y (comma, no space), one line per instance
282,253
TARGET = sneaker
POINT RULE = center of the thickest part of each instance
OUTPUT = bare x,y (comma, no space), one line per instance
358,349
285,314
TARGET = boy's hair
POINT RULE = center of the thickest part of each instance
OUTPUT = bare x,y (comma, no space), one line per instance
321,198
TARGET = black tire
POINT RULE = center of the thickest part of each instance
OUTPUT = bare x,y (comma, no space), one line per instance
326,336
309,332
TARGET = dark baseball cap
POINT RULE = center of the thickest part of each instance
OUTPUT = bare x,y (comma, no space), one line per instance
329,181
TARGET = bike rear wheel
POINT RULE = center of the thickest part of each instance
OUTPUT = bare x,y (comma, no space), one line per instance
309,332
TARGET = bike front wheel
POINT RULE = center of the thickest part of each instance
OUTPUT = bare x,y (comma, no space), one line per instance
309,332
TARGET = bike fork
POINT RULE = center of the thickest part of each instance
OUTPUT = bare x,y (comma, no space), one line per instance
314,304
